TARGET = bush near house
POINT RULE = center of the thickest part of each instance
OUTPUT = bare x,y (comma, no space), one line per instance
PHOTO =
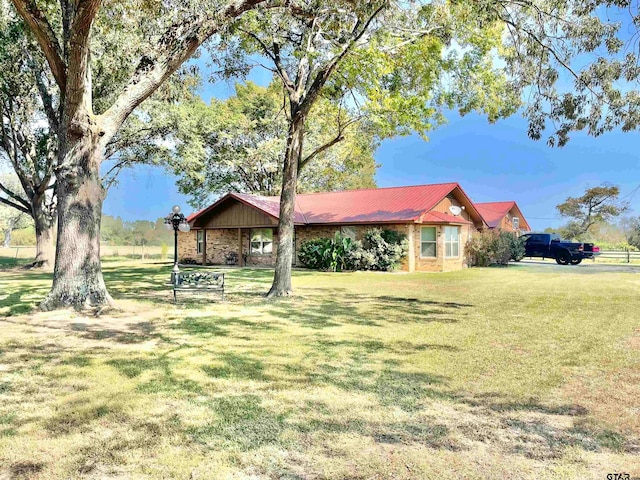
326,253
494,247
381,250
517,247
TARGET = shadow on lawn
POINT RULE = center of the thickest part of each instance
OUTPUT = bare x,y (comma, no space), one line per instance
248,418
331,308
360,367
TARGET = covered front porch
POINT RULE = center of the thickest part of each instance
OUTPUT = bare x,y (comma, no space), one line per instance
231,232
253,246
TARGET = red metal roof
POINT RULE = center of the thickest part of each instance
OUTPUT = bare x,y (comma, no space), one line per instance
376,205
269,205
395,204
494,212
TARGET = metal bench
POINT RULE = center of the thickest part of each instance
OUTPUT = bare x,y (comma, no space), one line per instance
198,282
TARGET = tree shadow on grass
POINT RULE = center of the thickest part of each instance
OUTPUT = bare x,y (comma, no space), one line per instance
25,470
237,367
241,423
331,308
13,301
161,370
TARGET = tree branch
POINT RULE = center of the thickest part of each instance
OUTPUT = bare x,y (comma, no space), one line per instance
20,208
15,197
177,44
78,89
45,96
46,38
323,75
338,138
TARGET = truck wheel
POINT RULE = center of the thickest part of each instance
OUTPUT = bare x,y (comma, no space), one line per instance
563,258
576,261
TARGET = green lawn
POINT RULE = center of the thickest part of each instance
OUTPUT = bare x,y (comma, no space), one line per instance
519,372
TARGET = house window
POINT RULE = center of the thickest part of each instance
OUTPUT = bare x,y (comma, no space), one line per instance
261,241
451,242
200,241
428,242
348,232
515,222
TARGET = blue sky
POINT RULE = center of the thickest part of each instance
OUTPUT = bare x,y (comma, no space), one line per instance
492,162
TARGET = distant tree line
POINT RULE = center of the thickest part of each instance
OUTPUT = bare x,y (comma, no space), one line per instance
114,231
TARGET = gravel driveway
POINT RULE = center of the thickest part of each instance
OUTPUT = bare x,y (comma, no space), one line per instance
587,266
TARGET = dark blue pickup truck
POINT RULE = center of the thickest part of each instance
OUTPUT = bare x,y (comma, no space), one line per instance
549,245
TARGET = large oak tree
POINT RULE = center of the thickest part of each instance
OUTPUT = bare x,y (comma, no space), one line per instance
150,41
391,64
28,143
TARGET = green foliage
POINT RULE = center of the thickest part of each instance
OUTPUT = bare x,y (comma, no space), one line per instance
330,254
571,60
115,231
597,205
616,245
517,248
23,237
632,231
381,250
492,247
238,145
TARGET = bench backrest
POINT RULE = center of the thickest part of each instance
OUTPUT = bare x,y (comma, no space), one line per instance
199,279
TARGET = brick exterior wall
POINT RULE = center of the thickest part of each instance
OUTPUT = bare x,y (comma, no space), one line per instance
440,263
187,245
219,242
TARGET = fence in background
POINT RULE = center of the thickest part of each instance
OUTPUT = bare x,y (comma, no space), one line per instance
142,252
621,256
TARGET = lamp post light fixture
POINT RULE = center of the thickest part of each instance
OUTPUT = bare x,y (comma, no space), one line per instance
176,221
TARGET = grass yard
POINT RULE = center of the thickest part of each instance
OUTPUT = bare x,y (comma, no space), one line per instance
523,372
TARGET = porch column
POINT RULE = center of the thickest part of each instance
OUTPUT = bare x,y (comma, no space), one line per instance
204,247
240,257
411,254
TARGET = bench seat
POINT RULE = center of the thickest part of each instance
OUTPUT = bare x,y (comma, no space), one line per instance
196,282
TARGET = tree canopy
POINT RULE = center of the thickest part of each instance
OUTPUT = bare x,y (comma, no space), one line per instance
575,61
238,145
597,205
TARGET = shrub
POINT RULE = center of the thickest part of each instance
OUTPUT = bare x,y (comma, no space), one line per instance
326,253
381,250
490,247
517,248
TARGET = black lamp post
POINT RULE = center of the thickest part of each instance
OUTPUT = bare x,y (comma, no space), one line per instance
176,221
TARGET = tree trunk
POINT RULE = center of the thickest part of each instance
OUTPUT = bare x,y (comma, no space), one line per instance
77,277
45,250
7,237
282,280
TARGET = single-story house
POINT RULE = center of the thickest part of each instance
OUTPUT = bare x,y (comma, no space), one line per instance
503,215
436,219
